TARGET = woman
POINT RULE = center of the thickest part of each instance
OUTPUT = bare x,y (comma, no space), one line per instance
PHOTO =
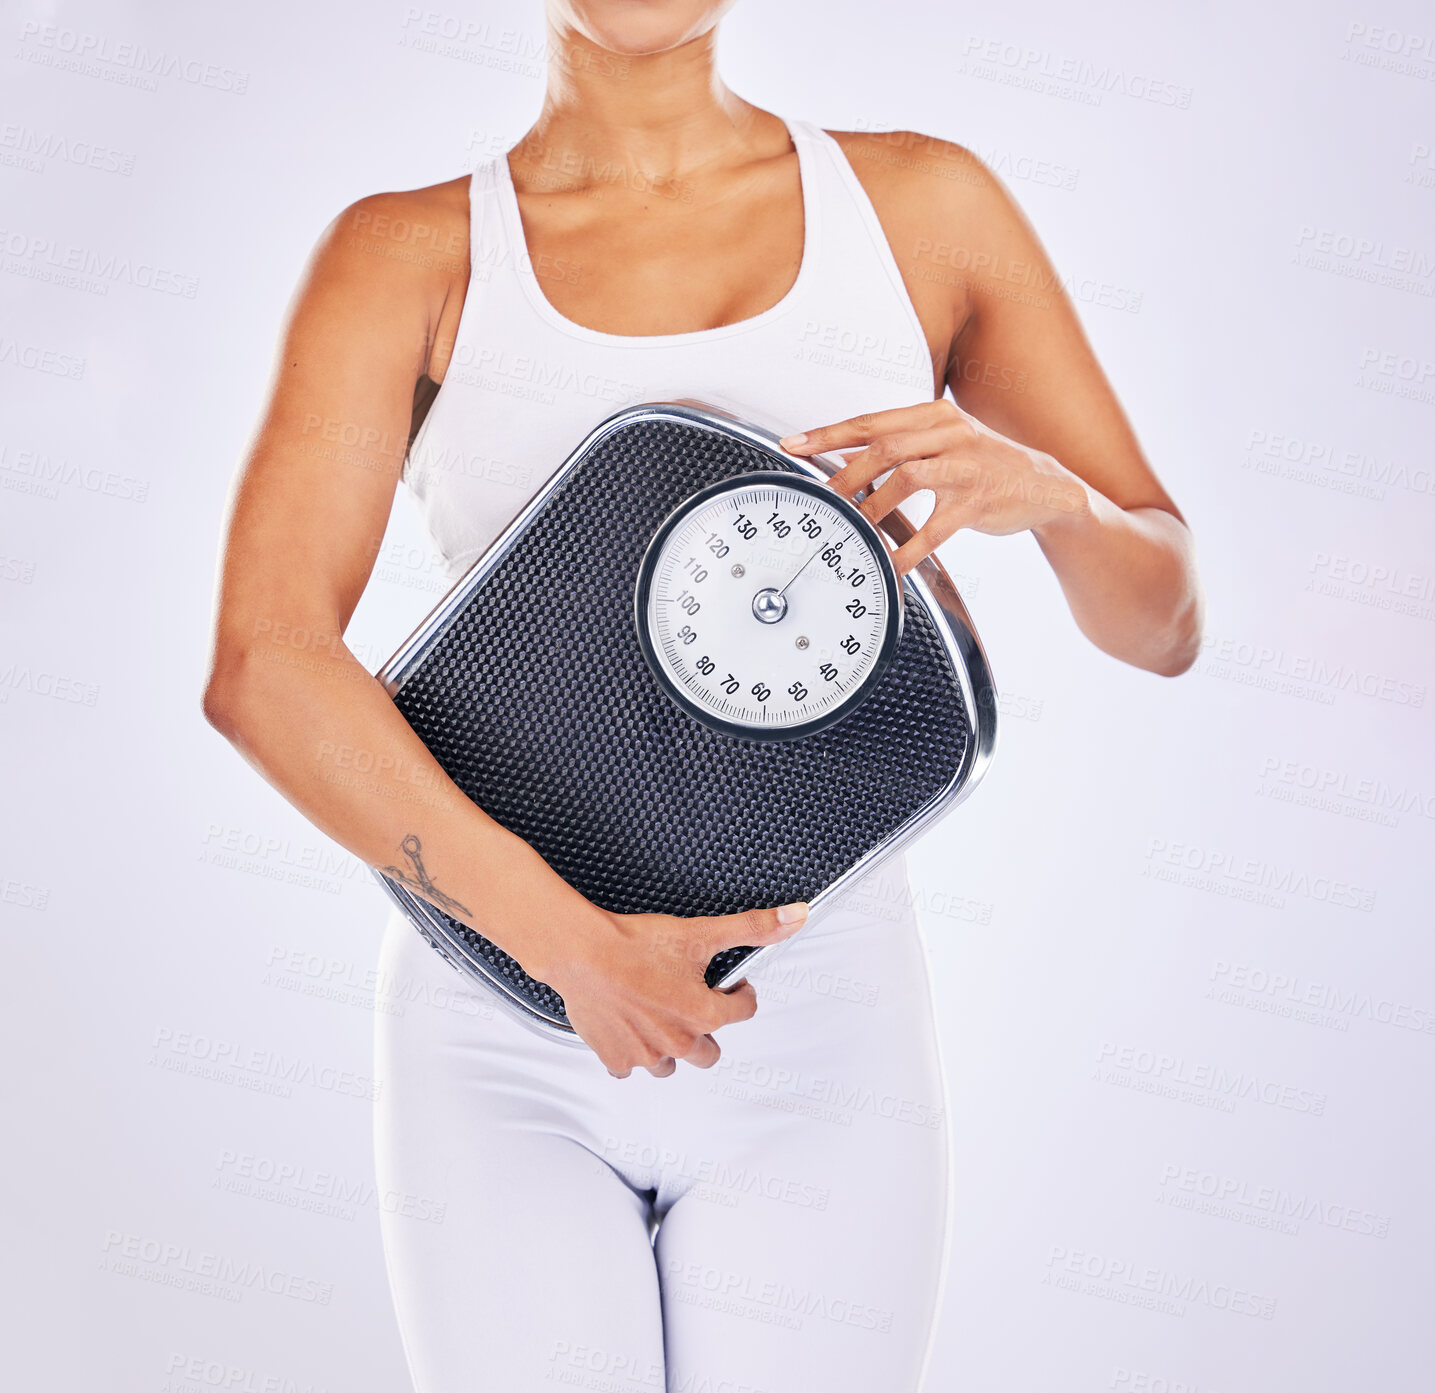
609,1219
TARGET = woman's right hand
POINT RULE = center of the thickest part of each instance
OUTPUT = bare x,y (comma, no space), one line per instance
634,988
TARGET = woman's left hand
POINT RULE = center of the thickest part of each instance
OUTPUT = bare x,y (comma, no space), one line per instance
981,479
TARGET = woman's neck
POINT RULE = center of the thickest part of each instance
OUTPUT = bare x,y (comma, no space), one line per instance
666,112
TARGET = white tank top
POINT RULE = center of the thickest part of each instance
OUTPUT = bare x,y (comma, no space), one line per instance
525,384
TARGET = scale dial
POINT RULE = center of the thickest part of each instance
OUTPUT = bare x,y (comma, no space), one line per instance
767,606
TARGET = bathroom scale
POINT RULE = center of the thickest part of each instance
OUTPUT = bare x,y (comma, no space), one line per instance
689,676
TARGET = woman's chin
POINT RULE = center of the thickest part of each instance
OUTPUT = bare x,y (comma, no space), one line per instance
640,28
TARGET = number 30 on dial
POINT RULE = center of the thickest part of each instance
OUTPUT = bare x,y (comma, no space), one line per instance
767,606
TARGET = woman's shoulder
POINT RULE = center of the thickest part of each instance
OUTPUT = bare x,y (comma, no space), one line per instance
916,171
389,263
414,241
419,227
941,205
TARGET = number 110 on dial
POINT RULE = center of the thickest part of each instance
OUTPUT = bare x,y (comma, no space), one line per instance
767,606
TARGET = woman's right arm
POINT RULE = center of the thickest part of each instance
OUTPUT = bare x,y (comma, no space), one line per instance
306,520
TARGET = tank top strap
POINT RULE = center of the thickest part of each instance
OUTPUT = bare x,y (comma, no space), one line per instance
490,242
489,253
852,248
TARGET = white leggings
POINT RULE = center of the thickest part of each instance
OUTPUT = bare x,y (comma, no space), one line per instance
775,1224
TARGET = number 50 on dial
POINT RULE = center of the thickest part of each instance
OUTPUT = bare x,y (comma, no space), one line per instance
767,606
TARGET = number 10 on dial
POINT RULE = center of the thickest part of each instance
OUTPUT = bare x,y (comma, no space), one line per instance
767,606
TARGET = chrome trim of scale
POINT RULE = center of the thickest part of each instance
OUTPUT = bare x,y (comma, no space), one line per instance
929,581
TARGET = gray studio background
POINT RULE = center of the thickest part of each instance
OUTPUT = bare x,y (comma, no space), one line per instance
1181,936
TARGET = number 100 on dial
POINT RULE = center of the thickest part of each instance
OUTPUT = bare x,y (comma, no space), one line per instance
767,606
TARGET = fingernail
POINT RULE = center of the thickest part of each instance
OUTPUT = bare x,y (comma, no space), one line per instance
792,440
792,913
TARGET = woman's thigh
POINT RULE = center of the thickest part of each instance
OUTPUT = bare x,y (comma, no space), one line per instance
804,1226
516,1256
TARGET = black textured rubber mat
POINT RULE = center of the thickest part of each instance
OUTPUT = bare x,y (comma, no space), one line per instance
539,705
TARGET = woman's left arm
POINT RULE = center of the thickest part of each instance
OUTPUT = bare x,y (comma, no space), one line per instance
1035,441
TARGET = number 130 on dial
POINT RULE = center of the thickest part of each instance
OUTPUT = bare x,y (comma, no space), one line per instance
767,606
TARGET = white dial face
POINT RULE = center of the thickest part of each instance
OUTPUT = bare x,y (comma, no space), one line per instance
769,607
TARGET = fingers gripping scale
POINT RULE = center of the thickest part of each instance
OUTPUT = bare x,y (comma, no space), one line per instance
688,675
